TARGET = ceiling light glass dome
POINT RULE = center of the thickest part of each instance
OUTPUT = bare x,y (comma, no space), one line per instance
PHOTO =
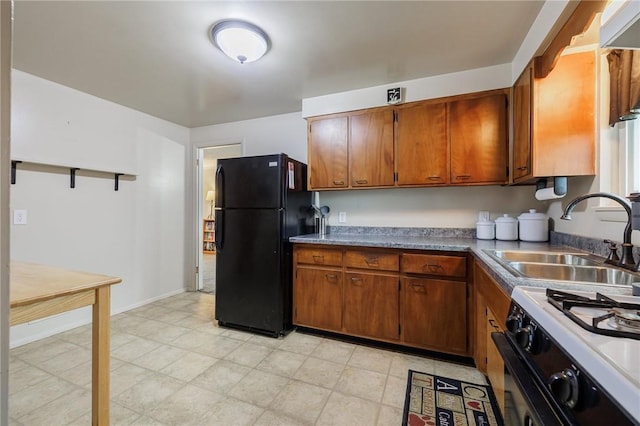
239,40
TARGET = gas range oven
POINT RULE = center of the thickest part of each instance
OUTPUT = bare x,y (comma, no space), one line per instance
571,358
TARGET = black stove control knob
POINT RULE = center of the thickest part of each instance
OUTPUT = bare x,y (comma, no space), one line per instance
564,386
514,322
525,337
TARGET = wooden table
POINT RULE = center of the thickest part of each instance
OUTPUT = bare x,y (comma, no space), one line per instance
38,291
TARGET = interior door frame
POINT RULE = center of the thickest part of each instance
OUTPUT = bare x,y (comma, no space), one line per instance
199,200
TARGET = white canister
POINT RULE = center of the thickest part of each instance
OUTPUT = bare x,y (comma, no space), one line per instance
534,226
486,230
507,228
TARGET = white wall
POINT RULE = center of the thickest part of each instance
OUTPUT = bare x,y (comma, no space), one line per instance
477,80
136,233
269,135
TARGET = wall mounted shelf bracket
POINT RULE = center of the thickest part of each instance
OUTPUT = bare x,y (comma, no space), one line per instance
116,177
13,171
72,174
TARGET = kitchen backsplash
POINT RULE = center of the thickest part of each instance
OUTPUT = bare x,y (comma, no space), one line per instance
592,245
406,232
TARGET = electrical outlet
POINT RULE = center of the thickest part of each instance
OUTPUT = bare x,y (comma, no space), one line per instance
342,217
19,217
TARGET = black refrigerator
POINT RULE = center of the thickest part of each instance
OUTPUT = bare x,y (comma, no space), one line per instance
260,202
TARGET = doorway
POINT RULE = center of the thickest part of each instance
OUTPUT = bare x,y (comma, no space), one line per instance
208,159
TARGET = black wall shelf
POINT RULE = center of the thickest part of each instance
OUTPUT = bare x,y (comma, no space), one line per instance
72,172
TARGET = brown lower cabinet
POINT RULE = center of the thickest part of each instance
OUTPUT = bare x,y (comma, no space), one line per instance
416,299
371,305
492,306
318,298
435,314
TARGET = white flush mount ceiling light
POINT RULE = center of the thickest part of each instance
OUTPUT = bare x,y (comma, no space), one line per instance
240,40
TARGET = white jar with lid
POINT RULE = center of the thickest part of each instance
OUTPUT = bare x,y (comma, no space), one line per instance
506,228
534,226
486,230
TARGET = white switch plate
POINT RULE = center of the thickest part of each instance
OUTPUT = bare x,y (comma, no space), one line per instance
19,217
342,217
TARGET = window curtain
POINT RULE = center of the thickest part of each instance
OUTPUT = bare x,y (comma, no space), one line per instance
624,70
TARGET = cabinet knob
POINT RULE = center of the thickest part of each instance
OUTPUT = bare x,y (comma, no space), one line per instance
356,281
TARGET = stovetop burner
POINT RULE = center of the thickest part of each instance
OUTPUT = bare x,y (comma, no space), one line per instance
590,314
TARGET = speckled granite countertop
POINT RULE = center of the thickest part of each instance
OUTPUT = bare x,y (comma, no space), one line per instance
463,243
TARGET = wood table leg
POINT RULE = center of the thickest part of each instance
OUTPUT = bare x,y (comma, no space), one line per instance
101,354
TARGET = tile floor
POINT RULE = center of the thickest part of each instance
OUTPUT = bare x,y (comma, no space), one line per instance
208,269
171,365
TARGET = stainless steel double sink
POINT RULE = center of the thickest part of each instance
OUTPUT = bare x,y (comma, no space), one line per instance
561,266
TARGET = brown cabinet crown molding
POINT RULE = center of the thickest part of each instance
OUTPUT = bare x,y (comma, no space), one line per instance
578,22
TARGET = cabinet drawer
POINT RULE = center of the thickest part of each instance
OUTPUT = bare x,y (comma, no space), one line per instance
451,266
372,260
316,256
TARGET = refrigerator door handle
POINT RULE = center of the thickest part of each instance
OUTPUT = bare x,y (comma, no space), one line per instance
219,230
220,187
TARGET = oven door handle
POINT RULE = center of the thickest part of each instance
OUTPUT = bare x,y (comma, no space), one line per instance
541,411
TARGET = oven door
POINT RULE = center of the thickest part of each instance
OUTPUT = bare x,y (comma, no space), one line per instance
525,403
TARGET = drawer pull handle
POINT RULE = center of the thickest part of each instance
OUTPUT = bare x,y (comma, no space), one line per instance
318,259
362,181
494,325
418,288
356,281
463,177
371,261
434,267
523,168
434,178
338,182
331,277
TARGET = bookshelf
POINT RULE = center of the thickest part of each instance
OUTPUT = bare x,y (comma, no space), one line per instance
208,236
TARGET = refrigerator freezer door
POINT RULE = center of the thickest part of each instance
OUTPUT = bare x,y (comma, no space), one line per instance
251,182
251,289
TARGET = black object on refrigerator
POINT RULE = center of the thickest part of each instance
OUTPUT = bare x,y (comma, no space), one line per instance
260,202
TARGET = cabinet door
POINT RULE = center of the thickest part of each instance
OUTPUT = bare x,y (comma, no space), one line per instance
422,145
371,305
435,314
478,131
522,91
564,118
495,364
371,149
317,298
328,152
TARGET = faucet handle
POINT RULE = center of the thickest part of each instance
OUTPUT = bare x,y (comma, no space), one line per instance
613,253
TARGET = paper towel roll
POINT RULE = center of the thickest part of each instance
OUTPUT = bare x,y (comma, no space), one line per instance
547,194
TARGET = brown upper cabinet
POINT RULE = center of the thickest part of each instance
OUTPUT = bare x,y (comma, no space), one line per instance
554,120
422,145
459,140
478,138
328,152
371,148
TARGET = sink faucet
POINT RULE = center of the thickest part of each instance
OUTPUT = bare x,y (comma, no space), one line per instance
627,248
